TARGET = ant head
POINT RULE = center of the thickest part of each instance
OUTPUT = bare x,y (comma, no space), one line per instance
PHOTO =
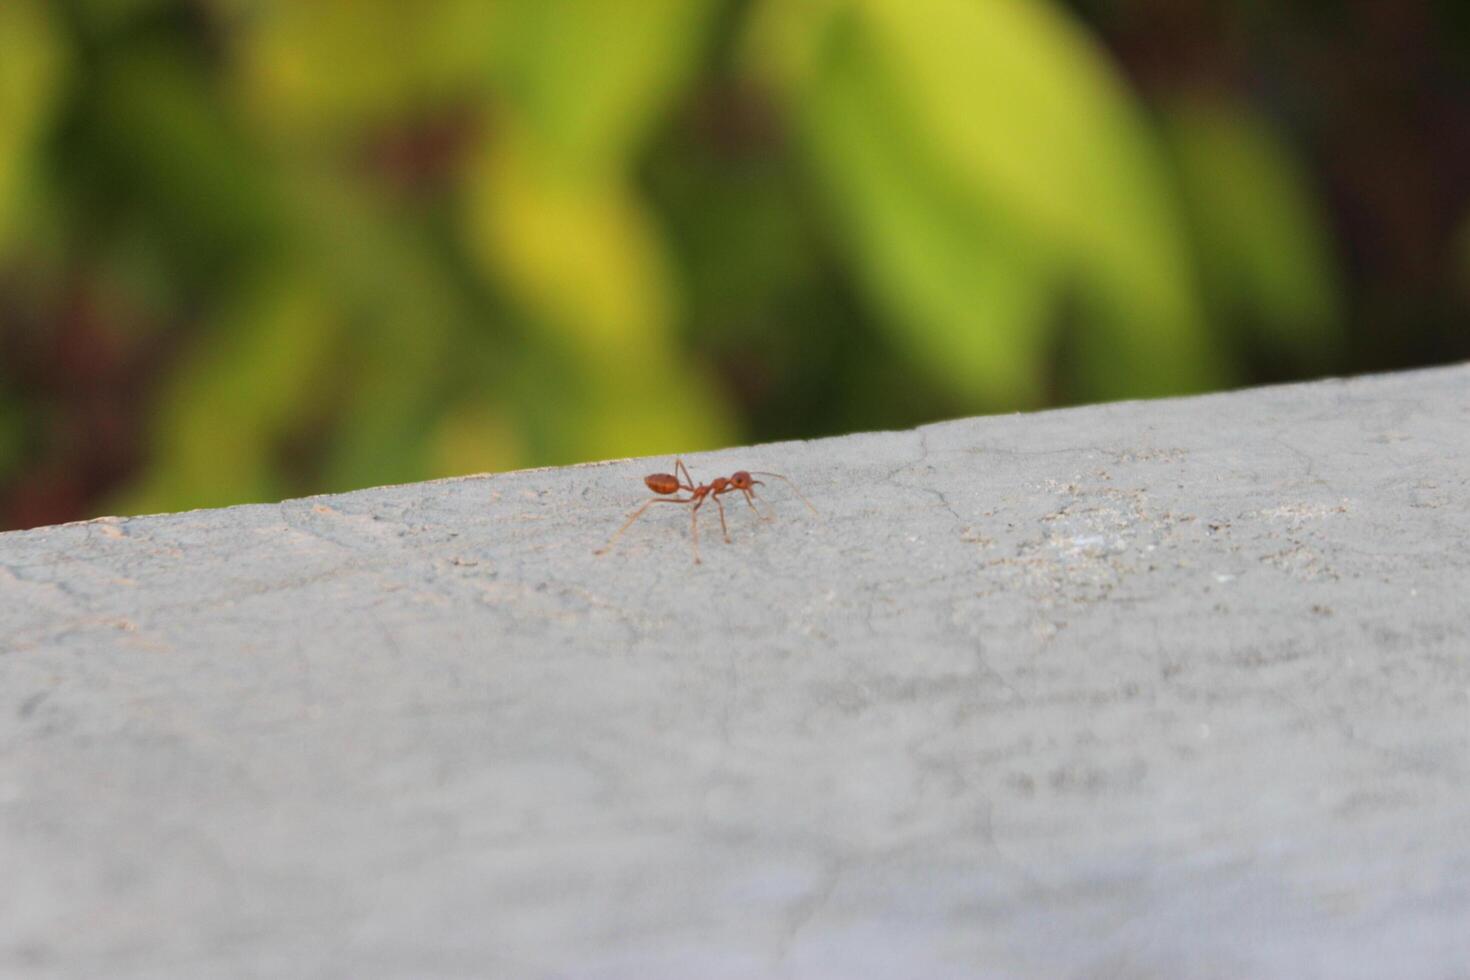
741,480
662,483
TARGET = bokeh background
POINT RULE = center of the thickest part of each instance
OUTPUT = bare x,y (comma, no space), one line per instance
252,249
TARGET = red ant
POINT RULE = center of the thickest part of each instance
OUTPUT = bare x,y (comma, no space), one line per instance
668,484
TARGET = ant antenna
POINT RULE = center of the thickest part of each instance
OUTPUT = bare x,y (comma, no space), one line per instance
789,484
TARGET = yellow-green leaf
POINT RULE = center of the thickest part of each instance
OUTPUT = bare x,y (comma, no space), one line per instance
31,63
577,249
1261,234
587,78
958,287
322,71
219,420
1010,104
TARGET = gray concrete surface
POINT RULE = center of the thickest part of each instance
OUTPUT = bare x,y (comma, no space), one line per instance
1170,689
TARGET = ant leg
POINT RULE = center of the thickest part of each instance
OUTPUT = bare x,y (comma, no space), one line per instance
694,527
792,486
723,528
688,480
635,515
750,499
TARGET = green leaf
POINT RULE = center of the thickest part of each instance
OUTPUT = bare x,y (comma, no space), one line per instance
1261,235
589,77
579,251
178,149
405,318
1011,109
551,213
962,290
323,71
221,416
101,16
13,433
31,71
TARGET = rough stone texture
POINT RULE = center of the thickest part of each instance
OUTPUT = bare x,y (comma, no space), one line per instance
1169,689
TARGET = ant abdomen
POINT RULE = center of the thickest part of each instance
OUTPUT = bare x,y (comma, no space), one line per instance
662,483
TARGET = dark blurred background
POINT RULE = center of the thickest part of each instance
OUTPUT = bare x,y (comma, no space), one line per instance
251,249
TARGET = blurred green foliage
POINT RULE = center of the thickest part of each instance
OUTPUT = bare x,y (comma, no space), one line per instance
255,248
